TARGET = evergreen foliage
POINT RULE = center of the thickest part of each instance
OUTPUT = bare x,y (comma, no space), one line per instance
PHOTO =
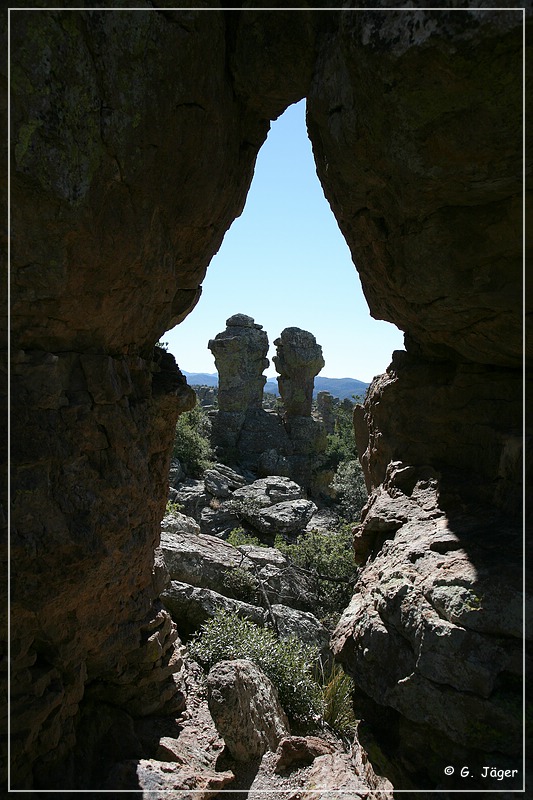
240,584
341,456
238,536
287,662
329,557
350,488
341,443
192,445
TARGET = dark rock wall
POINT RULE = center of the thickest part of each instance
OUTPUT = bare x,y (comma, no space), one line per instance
415,120
416,126
134,137
132,152
107,110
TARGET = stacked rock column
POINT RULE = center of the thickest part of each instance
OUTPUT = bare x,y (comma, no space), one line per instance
299,359
240,358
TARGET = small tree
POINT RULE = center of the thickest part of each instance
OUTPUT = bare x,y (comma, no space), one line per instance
341,456
350,488
192,446
329,558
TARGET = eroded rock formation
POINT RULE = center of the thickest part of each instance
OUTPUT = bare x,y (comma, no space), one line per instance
240,358
132,153
256,439
431,220
298,360
324,402
134,137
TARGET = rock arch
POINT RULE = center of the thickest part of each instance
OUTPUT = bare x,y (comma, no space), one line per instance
134,137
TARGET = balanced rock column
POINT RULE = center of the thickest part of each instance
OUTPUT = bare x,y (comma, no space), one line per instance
299,359
240,358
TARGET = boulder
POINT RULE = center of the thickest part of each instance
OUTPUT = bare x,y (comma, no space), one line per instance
191,606
261,556
303,625
178,523
273,505
267,491
245,708
324,521
333,776
298,751
221,480
199,559
192,497
286,518
218,520
152,777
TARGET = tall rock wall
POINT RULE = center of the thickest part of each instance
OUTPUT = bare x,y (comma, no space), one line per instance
133,147
134,137
415,120
416,127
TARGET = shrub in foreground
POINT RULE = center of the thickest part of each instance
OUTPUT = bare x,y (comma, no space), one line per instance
287,662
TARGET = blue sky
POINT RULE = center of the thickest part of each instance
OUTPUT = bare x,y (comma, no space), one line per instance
284,262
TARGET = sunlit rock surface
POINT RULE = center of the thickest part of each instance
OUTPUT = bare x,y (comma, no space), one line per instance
240,358
299,359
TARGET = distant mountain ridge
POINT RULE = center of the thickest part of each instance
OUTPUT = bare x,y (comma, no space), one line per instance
339,387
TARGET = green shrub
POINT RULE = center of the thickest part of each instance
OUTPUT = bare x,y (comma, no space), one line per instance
349,485
341,443
238,536
240,584
173,508
287,662
329,557
192,445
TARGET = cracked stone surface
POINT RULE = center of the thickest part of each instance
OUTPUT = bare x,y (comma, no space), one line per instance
434,629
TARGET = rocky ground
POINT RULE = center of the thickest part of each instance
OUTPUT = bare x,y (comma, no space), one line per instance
233,735
189,756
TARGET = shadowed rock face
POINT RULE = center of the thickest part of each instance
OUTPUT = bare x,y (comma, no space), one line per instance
417,137
134,137
133,149
403,112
